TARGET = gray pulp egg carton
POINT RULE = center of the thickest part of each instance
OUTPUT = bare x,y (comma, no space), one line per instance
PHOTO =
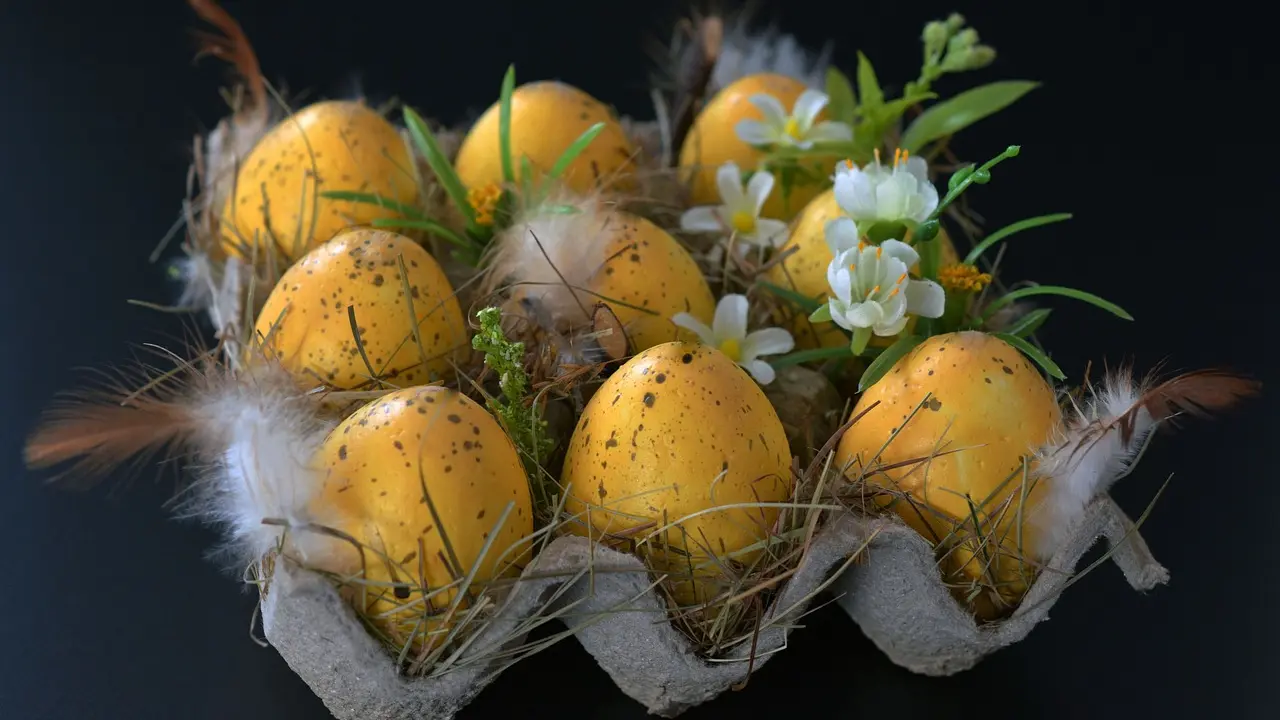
618,616
893,591
899,600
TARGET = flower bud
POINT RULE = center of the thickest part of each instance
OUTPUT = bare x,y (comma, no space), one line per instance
935,37
981,56
962,41
955,22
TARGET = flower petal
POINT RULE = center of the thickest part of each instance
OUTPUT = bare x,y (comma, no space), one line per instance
807,107
767,341
839,279
694,325
761,371
754,132
701,219
774,114
889,329
864,314
772,232
928,201
925,298
830,131
729,182
841,234
918,168
758,189
731,318
899,250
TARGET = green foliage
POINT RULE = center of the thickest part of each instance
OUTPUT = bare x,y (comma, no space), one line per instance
506,358
1034,353
954,114
1011,229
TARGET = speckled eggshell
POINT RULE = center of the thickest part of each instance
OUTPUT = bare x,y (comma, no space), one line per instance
327,146
805,270
676,424
713,141
307,329
646,267
546,118
375,465
987,408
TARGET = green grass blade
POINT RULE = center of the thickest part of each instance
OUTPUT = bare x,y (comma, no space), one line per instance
449,180
572,152
374,199
954,114
1008,230
1034,353
504,124
430,226
1056,290
886,360
1029,323
807,304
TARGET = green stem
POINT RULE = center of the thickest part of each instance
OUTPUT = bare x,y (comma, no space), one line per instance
861,338
981,175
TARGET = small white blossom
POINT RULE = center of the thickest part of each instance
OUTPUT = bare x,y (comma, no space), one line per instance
739,211
872,289
728,333
796,129
874,193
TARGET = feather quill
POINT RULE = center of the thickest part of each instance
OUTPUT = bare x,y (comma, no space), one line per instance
1102,437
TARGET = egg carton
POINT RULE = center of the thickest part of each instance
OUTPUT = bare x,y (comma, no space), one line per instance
898,599
614,609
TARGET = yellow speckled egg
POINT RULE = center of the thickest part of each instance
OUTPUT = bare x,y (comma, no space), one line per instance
327,146
989,405
679,429
712,141
645,267
305,322
376,464
546,118
805,270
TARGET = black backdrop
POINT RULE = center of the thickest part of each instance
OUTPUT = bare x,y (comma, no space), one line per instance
1153,129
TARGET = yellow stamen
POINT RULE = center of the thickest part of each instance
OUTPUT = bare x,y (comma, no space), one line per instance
848,164
792,128
901,277
743,221
853,267
877,155
894,292
862,245
963,278
484,200
731,348
879,251
872,292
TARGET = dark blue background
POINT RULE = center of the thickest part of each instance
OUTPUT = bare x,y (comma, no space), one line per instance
1155,129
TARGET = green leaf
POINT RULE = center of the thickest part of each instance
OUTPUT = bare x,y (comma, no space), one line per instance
1056,290
868,86
1029,323
950,116
1034,353
843,104
1008,230
821,315
886,230
504,123
803,302
430,226
887,359
374,199
445,173
803,356
891,111
572,152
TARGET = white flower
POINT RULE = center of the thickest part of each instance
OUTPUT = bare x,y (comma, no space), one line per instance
874,193
740,211
796,129
872,289
728,333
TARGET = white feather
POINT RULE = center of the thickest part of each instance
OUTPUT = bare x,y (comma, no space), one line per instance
550,257
1085,458
747,53
261,435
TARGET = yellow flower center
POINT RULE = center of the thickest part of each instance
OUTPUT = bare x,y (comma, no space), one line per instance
743,221
963,278
731,348
792,128
484,200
